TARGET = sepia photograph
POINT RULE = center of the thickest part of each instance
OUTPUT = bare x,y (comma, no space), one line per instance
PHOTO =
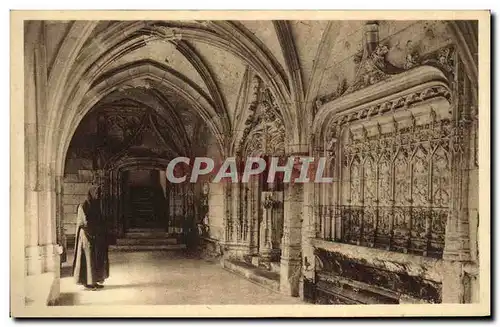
235,164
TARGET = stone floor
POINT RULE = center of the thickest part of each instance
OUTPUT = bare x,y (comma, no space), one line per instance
168,278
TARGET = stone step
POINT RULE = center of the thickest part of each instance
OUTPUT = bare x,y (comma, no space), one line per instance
146,229
160,235
268,279
146,241
274,267
148,233
142,247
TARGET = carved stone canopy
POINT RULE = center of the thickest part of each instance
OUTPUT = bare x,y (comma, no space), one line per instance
264,131
399,92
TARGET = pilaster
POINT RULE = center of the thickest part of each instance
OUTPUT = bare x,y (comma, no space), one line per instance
457,249
291,256
308,233
40,259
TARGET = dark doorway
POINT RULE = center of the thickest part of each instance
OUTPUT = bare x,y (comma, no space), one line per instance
145,201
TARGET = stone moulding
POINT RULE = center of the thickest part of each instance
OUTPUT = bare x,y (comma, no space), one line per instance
398,91
424,267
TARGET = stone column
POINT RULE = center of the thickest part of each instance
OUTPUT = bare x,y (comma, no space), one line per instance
121,216
291,261
308,233
236,202
227,207
457,242
252,212
276,226
269,243
291,256
457,226
265,245
42,253
61,236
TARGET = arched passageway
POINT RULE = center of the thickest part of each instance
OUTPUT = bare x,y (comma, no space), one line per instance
391,105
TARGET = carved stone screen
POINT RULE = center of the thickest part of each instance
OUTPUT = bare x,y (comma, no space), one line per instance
398,188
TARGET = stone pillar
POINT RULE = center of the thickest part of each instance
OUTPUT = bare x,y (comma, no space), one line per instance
122,215
32,258
457,242
42,190
276,226
452,286
227,223
33,104
457,247
308,233
291,261
291,254
42,251
265,245
252,217
61,235
236,202
269,249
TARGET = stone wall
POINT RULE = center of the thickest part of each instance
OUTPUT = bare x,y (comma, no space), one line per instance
75,190
216,211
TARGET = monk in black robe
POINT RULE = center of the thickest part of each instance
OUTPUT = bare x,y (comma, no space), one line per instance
90,263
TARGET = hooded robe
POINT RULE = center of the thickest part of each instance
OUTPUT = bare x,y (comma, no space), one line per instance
90,263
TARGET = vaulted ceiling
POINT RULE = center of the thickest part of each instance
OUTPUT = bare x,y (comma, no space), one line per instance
192,72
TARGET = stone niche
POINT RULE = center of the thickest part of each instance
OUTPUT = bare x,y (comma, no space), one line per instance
384,239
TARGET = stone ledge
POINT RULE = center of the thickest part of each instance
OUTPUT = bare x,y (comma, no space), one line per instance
210,239
147,247
41,290
413,265
267,279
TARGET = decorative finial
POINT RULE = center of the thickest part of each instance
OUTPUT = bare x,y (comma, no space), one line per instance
365,132
432,115
394,124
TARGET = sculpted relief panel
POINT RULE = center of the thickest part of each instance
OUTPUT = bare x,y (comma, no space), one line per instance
263,134
393,146
398,184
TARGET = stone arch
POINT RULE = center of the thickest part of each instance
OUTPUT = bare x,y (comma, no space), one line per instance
113,42
201,105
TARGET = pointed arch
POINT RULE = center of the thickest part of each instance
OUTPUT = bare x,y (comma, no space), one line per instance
156,75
